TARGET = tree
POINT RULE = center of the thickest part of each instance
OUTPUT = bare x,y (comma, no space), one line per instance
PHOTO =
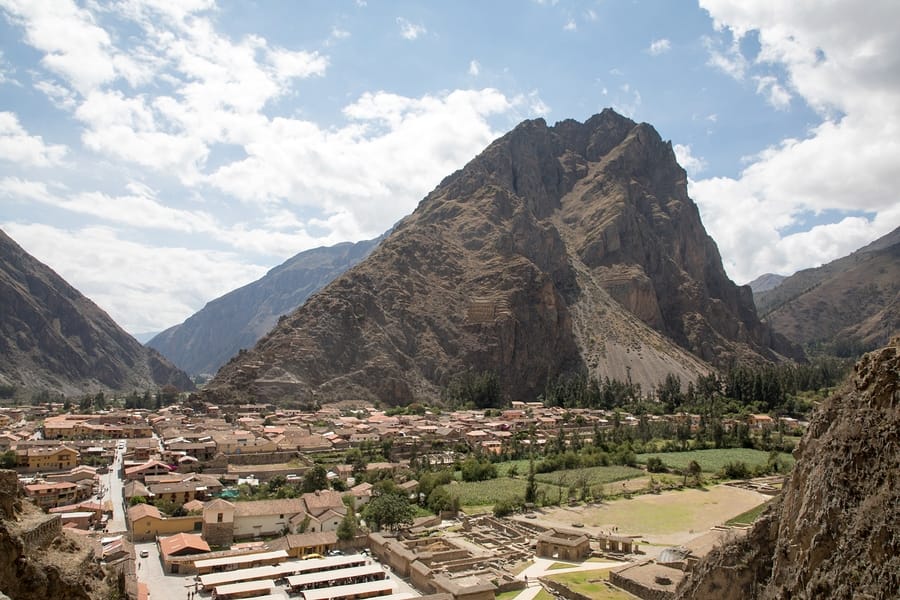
389,510
135,500
8,460
655,465
531,486
440,500
315,479
347,528
694,471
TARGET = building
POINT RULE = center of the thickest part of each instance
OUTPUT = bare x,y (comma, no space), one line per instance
563,544
51,495
54,458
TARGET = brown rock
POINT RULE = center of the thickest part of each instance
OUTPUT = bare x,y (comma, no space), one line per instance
558,249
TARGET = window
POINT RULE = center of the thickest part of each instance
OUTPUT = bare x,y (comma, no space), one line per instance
219,518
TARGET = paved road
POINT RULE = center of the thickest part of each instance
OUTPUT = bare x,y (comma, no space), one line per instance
112,485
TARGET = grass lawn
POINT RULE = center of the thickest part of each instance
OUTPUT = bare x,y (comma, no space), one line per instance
593,584
713,460
544,595
688,511
747,518
507,595
559,565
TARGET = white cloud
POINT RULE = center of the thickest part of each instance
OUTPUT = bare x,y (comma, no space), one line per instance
775,93
133,282
61,96
845,63
728,59
75,47
690,163
590,14
17,146
370,170
570,25
337,34
660,46
410,30
474,68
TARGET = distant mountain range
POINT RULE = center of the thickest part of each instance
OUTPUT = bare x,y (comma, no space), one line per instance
558,250
206,340
766,282
54,338
849,305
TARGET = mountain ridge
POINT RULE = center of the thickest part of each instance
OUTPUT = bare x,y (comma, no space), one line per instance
208,338
53,337
558,249
848,304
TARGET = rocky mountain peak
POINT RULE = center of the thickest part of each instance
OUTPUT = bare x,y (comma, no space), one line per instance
564,248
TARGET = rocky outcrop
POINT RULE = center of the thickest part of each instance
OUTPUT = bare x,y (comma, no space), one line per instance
207,339
54,338
58,567
835,531
571,248
844,307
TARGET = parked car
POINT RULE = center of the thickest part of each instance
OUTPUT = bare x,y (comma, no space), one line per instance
144,554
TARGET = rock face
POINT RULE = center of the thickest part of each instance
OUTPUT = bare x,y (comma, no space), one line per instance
835,531
53,338
845,306
206,340
571,248
38,561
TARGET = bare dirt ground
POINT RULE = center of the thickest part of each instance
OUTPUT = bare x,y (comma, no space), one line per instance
665,519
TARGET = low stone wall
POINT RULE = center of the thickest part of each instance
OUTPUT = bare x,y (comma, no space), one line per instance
40,534
641,591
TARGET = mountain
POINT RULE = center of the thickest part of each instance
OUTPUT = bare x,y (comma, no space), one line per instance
847,305
834,532
238,319
557,250
52,337
766,282
145,337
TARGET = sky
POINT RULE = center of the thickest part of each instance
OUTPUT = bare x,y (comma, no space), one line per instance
160,153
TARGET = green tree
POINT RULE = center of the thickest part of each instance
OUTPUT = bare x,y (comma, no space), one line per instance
348,526
440,500
8,460
531,486
389,510
315,479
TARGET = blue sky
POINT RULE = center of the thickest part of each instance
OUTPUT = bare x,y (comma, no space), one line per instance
159,153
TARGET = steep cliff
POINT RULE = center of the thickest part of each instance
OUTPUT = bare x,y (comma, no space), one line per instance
207,339
54,338
557,249
835,531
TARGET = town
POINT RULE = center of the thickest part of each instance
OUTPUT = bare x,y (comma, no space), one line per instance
194,499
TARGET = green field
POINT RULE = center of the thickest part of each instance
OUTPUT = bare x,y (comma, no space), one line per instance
487,493
747,518
592,584
712,461
593,475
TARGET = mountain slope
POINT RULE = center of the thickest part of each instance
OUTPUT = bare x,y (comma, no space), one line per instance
835,530
848,304
52,337
207,339
766,282
558,249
